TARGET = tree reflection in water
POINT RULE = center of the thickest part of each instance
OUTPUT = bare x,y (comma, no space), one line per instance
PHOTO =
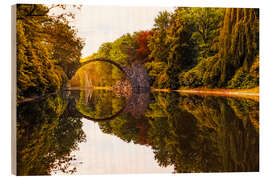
192,133
46,136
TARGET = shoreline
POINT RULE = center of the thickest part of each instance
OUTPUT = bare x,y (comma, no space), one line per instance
241,93
35,98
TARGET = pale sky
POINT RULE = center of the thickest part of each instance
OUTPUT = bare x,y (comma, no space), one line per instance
98,24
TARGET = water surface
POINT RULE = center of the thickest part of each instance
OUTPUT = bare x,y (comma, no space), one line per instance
96,131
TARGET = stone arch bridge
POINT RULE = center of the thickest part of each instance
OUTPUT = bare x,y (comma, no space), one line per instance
136,74
138,101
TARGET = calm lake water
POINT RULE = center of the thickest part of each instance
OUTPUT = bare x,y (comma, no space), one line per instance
97,131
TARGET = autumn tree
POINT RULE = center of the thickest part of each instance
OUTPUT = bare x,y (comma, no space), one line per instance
36,71
143,51
47,50
66,45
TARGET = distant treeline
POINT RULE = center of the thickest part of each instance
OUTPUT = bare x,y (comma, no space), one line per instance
47,49
194,47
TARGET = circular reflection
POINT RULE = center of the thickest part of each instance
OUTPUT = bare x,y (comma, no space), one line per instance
98,82
100,104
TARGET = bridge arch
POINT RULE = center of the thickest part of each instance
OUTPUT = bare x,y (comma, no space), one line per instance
120,67
136,75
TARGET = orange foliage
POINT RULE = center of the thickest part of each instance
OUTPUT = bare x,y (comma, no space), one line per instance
143,51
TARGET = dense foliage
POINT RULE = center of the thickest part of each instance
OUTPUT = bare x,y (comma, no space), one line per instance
126,50
47,50
195,47
190,47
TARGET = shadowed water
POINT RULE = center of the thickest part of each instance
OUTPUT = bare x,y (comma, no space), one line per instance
151,133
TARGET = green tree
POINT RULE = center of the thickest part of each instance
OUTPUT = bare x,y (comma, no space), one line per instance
238,46
208,22
123,49
158,50
47,50
182,50
157,45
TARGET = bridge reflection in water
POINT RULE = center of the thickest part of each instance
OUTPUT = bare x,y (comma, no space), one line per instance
136,104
